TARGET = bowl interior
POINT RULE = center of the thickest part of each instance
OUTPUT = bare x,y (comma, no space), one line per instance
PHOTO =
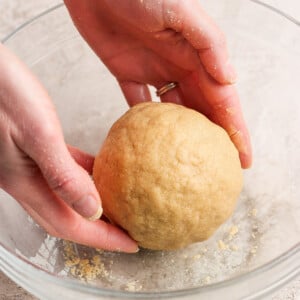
265,49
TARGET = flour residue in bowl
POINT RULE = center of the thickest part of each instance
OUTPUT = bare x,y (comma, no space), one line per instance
227,254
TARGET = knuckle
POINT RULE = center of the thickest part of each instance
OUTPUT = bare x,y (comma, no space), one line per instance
235,133
224,101
45,132
220,107
39,139
59,181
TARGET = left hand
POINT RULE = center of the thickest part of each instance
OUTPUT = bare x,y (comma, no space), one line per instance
156,42
48,178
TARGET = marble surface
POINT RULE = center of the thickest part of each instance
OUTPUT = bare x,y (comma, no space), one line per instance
13,14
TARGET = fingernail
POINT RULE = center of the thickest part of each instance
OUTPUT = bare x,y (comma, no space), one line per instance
89,207
97,215
132,251
128,251
120,241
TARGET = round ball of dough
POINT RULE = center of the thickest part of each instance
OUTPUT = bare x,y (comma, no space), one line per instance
167,175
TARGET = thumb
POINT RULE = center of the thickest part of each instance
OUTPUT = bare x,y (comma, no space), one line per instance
68,180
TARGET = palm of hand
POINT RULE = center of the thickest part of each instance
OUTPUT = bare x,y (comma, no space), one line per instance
142,48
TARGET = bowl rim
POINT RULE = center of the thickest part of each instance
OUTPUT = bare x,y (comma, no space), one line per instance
49,10
284,262
277,11
38,272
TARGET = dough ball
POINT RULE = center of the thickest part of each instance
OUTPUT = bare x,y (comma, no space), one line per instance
167,175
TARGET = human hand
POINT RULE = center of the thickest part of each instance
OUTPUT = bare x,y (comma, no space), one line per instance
156,42
48,179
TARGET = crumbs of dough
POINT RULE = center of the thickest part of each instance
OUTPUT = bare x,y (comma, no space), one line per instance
207,279
222,245
253,212
133,286
233,231
197,256
253,250
234,247
86,269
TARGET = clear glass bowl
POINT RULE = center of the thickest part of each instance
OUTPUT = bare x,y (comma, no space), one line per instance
254,253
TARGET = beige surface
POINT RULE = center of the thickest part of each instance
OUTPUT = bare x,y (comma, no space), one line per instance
14,13
10,291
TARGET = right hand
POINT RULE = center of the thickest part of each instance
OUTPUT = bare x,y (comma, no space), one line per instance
156,42
47,177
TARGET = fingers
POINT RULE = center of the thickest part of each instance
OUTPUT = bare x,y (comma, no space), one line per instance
172,96
202,33
64,176
226,111
85,160
61,221
135,92
70,181
221,104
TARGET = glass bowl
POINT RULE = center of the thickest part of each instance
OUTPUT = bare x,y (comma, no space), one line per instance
254,253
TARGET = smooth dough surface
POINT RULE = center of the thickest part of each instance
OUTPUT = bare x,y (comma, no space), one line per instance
167,175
